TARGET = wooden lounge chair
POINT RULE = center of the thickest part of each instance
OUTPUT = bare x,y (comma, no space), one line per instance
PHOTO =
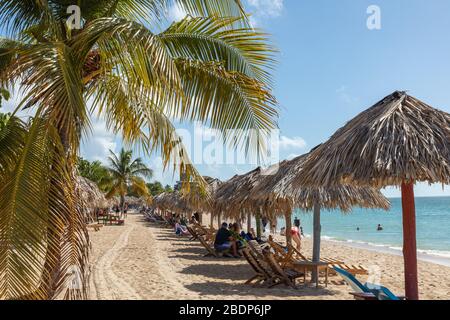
208,247
209,234
193,232
261,275
294,255
284,275
95,226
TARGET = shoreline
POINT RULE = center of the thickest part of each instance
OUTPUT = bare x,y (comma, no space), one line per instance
426,257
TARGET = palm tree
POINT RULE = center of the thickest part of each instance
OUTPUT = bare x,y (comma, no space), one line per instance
96,172
211,67
126,172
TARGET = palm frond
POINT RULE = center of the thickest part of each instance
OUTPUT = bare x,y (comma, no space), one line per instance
36,206
222,8
51,79
131,50
228,101
139,187
213,39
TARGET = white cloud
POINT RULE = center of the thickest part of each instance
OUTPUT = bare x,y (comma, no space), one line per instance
96,146
266,8
291,143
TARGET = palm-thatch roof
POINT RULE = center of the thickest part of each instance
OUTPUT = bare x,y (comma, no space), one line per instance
89,193
232,198
172,201
278,189
201,199
399,139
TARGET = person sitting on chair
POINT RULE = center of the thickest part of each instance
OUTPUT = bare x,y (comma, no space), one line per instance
225,241
180,230
235,232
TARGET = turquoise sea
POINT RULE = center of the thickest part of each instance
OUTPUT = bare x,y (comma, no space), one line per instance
433,226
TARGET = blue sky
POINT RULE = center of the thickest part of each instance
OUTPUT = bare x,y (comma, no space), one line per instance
331,67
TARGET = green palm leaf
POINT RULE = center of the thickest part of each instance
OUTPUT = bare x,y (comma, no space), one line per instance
213,39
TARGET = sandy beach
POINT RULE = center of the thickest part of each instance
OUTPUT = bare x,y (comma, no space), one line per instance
145,261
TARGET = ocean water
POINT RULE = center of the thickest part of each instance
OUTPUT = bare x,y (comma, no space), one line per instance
432,220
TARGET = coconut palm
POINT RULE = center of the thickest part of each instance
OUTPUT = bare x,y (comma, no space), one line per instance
210,67
96,172
127,173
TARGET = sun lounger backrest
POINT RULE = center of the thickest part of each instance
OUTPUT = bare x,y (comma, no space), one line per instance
210,249
352,281
276,268
260,260
251,261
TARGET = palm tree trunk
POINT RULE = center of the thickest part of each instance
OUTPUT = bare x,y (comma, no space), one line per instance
316,238
211,222
249,221
122,205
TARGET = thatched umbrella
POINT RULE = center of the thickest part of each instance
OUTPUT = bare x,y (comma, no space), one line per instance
89,193
279,189
398,141
172,201
202,199
232,198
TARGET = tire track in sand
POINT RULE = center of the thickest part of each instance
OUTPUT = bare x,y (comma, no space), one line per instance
108,285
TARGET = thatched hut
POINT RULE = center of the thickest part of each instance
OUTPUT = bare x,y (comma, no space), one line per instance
278,188
399,141
201,199
233,199
172,201
91,196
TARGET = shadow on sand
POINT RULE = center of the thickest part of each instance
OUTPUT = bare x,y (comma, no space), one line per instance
228,278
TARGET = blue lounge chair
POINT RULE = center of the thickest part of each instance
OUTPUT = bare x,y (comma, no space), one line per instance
380,292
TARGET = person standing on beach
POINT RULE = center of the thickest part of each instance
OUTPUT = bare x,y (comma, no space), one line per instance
297,222
295,233
264,222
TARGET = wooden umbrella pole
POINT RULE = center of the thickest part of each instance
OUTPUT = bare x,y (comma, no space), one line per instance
211,221
288,224
316,238
249,221
219,222
258,223
409,242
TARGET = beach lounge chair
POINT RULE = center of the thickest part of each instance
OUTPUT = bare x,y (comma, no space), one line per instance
367,291
208,246
292,254
261,274
193,232
282,275
95,226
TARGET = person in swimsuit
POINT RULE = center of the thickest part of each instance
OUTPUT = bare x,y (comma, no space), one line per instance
295,233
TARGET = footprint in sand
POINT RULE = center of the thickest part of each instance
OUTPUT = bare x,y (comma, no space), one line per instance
108,285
